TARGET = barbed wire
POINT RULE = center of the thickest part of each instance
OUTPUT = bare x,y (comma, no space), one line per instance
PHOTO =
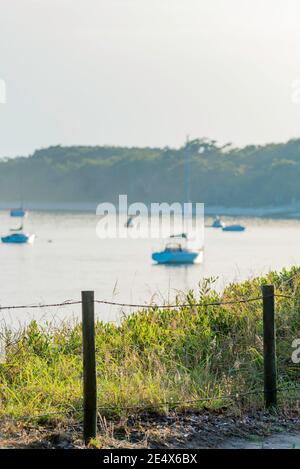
37,306
149,306
292,297
134,305
184,305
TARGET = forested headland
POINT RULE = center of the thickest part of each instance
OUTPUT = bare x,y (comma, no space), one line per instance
250,177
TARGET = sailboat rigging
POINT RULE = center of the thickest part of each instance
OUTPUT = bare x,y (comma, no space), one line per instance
17,236
176,250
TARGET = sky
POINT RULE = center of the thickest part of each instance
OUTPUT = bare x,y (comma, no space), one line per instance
147,72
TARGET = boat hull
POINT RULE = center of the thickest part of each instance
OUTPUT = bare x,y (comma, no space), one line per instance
234,228
17,213
18,238
177,257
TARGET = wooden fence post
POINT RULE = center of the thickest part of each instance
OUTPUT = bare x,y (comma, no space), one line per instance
89,367
270,373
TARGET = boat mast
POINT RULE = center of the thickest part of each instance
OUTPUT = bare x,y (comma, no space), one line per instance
187,171
187,178
21,189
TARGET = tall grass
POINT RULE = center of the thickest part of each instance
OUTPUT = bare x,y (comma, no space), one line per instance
190,358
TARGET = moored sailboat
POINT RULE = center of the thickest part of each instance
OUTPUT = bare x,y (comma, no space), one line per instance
18,237
176,251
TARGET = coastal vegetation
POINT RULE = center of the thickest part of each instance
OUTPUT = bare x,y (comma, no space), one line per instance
158,360
253,176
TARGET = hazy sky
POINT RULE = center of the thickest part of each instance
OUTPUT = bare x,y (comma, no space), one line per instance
147,72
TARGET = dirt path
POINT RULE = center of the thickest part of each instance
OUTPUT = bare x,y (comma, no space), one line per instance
279,441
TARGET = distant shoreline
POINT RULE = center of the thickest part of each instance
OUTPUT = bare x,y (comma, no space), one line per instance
284,211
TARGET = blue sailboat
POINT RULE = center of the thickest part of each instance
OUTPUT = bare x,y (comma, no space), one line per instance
176,252
217,223
18,237
234,228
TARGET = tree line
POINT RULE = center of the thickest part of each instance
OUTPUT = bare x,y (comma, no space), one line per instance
220,175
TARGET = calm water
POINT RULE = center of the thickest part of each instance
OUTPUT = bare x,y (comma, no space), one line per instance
122,270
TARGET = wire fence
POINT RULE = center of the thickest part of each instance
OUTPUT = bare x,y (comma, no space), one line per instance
133,305
148,306
166,404
40,306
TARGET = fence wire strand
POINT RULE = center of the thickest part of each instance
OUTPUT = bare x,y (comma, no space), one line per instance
147,306
134,305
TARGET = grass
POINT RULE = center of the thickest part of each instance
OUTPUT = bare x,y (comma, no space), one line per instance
179,356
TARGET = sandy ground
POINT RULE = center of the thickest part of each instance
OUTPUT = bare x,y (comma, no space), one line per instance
280,441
